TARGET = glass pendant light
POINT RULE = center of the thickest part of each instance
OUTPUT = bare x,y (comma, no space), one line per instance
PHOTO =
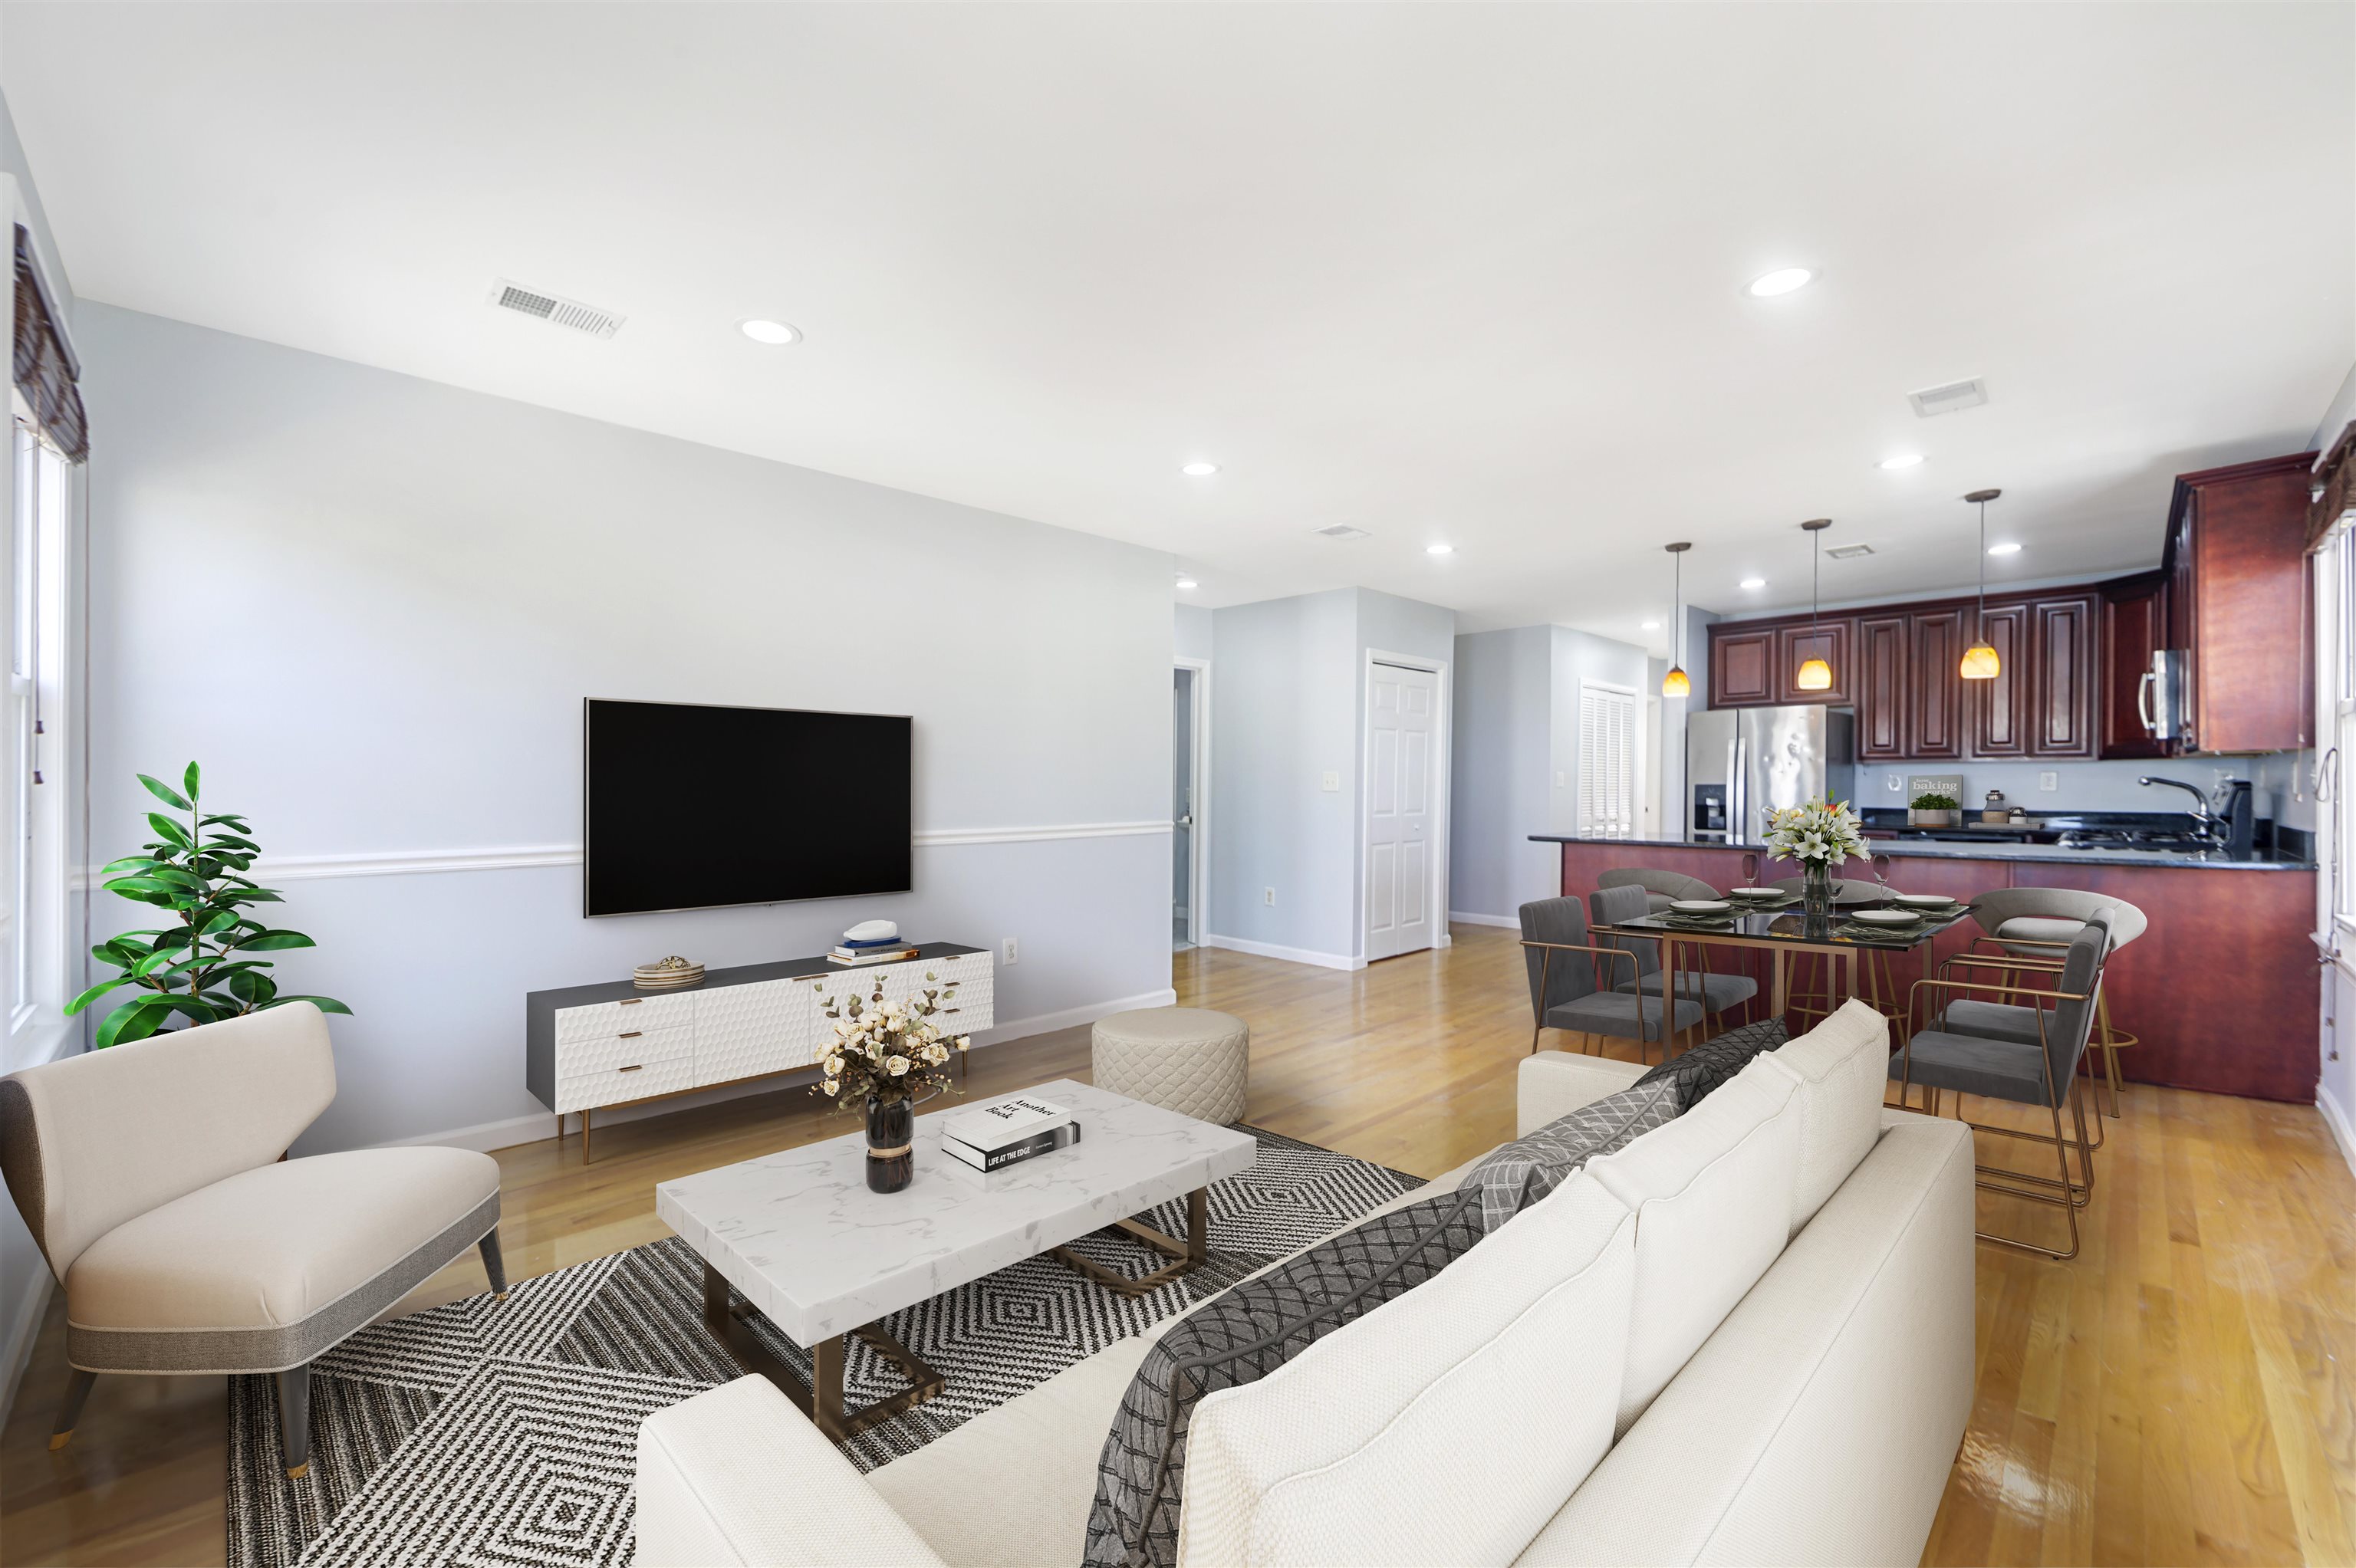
1980,662
1676,683
1815,674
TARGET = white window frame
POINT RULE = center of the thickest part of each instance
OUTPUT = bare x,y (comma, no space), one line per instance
36,745
1595,760
2335,643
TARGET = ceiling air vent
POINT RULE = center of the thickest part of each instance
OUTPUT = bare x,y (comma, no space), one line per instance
1343,531
1953,398
1848,552
554,309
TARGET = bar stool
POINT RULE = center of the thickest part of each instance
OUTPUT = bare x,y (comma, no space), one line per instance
2039,924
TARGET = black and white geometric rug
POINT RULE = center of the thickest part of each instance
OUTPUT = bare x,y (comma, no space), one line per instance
505,1435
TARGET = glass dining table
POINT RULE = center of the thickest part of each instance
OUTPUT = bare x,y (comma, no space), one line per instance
1857,939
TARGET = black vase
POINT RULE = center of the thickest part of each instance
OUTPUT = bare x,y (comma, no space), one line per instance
891,1144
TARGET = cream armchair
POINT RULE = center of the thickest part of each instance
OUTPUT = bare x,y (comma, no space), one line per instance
151,1177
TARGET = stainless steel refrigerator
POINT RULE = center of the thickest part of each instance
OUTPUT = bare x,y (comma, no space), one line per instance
1743,764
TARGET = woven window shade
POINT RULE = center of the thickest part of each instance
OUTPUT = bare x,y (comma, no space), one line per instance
2335,488
43,369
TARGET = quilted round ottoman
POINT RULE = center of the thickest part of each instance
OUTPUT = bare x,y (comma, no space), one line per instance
1188,1059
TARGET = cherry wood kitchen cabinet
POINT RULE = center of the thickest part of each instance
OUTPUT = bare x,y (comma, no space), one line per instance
1935,719
2134,628
2000,721
2062,675
2239,604
1880,687
1829,639
1742,667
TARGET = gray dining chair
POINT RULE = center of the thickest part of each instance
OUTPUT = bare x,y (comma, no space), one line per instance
1661,888
1716,993
2024,1051
2038,922
1562,965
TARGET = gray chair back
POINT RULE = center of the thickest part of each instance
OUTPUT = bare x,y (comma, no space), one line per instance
1990,909
2070,1022
1610,906
1661,888
1568,975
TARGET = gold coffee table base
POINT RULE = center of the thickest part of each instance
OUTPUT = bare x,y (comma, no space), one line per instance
823,1403
1187,1255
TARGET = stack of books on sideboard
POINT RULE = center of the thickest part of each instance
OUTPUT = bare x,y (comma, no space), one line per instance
871,941
993,1136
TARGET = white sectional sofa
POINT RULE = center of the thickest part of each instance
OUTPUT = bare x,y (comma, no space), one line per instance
1746,1338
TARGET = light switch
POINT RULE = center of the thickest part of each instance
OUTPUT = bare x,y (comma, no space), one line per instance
2049,780
1333,781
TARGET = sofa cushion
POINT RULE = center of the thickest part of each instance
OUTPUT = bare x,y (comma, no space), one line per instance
1244,1335
1712,1196
1517,1175
1838,1070
1715,1061
1384,1444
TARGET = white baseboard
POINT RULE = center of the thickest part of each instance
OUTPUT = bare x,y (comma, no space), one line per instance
2335,1116
1289,955
540,1125
1466,917
24,1328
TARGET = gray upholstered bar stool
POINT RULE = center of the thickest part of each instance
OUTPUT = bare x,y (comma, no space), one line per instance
2026,1054
2039,922
1562,965
1716,993
1661,888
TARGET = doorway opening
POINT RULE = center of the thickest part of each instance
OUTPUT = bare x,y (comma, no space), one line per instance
1190,776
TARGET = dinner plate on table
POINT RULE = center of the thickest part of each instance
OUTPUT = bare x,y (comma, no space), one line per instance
1700,906
1886,917
1925,900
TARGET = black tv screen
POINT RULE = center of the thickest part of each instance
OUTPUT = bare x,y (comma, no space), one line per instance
690,808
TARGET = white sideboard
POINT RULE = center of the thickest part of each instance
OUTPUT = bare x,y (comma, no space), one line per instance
588,1048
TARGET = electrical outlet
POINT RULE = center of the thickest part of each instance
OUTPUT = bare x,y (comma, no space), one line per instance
1897,782
1268,897
1011,950
1331,782
2049,780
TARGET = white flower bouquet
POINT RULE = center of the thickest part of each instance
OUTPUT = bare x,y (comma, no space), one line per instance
1819,835
888,1049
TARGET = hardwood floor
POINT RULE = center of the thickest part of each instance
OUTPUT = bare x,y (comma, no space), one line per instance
2182,1391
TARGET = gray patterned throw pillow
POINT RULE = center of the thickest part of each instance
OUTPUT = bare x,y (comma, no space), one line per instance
1716,1061
1518,1173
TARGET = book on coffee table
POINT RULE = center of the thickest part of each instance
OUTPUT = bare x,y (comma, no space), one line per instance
1008,1130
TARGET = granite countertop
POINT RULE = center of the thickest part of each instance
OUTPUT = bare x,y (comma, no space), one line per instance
1900,848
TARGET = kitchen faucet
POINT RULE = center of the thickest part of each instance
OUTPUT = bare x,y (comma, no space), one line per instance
2204,821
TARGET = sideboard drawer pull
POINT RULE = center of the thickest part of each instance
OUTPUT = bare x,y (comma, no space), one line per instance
629,1001
630,1033
633,1067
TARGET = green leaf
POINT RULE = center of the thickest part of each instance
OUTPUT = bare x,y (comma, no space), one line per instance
231,842
128,863
94,993
226,819
219,922
133,886
272,940
251,896
171,831
197,1007
134,1019
151,963
165,793
325,1004
176,878
255,990
188,780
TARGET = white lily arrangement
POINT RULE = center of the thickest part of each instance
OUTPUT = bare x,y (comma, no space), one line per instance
1819,833
888,1048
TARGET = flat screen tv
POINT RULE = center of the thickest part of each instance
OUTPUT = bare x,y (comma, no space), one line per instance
686,806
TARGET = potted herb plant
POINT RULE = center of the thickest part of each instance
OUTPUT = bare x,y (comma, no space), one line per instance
202,968
1932,809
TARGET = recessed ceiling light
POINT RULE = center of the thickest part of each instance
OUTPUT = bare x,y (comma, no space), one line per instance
1754,582
1199,470
1440,549
1650,626
2004,549
1782,280
1903,460
761,331
1186,582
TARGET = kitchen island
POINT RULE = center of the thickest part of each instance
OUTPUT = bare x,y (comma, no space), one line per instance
2222,989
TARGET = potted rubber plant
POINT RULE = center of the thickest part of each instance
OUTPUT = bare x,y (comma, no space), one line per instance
204,965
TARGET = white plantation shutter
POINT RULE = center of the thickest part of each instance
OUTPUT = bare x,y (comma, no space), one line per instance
1607,762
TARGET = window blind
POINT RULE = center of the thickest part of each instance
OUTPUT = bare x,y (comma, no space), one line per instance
43,366
1607,763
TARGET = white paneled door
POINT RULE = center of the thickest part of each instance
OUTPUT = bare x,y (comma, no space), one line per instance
1402,732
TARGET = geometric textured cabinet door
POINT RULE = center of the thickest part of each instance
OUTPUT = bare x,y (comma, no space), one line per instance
589,1047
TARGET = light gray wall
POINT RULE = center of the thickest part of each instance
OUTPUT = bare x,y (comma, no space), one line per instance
1504,753
372,606
1191,631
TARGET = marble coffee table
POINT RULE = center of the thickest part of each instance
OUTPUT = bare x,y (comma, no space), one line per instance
801,1238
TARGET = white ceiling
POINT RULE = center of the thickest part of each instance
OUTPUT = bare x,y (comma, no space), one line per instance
1446,273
